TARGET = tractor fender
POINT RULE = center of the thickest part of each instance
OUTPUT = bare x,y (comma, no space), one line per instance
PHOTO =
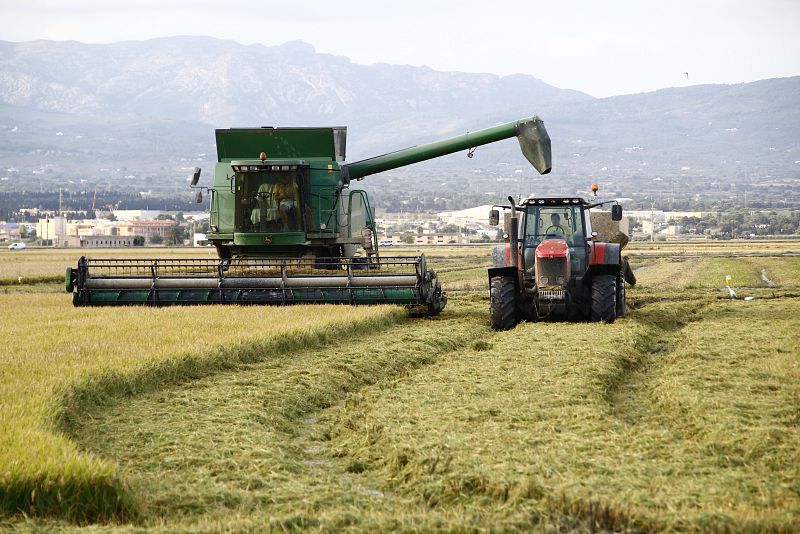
605,258
504,271
501,255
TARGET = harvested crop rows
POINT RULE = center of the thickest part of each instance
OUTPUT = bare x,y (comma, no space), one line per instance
682,416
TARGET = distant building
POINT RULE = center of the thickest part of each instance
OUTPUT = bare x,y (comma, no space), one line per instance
673,230
439,239
53,229
678,215
82,228
98,241
478,214
656,216
144,228
648,227
131,215
9,230
199,240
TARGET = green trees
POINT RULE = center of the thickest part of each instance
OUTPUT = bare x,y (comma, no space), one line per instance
175,235
741,222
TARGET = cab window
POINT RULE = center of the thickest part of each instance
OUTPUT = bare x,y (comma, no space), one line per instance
270,201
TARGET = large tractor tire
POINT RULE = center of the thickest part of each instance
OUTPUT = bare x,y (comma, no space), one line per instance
604,298
622,306
503,302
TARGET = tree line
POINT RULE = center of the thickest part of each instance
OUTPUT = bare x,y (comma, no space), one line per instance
738,223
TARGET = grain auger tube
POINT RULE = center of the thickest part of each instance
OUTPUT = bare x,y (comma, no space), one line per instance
288,228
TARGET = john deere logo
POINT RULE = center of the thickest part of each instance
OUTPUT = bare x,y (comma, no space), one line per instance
268,239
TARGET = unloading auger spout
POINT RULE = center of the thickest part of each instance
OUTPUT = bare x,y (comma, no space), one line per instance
288,228
531,134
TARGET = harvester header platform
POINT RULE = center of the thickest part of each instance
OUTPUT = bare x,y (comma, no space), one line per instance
104,282
287,227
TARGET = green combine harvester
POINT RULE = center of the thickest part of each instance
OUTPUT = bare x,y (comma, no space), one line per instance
288,229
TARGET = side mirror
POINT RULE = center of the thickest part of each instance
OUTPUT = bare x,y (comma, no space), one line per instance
616,212
196,177
494,218
199,197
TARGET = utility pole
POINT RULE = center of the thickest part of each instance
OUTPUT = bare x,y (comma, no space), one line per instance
652,223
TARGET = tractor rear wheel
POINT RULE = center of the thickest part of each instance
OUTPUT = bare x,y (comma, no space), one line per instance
604,298
622,306
503,302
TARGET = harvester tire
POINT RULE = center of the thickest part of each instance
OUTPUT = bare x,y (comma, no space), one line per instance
622,306
223,251
604,298
503,302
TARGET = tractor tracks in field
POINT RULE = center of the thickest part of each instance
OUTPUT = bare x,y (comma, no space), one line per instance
626,394
250,437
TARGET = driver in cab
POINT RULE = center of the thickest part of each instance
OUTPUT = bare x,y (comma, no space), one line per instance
286,195
557,228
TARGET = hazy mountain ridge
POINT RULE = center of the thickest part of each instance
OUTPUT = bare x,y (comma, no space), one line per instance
224,83
68,108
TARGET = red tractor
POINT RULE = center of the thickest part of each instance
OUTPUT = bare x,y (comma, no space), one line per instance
554,267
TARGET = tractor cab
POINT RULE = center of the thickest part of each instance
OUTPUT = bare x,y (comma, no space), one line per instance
550,221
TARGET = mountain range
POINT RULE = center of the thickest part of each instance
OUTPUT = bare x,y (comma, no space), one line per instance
136,115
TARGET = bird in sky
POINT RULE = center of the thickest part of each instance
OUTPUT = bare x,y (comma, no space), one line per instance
686,74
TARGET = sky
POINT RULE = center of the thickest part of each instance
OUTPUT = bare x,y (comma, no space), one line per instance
604,47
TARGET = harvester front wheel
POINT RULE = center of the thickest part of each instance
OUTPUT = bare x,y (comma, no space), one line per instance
503,306
223,251
604,298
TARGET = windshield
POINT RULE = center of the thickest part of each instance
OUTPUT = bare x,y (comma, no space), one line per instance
270,201
553,222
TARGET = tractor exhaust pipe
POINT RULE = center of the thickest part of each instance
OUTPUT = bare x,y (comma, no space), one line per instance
513,234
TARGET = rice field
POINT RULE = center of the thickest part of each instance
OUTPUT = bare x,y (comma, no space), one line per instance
683,416
42,265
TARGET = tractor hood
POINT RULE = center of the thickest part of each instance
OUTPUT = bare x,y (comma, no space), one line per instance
552,248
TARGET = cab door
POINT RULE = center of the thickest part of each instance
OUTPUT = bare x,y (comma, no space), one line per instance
361,221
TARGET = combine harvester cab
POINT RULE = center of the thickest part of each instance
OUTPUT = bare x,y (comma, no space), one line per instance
288,229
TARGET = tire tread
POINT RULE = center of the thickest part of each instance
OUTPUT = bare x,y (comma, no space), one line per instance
503,302
604,298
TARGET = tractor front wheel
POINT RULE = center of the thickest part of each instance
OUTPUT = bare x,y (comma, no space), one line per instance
503,298
604,298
